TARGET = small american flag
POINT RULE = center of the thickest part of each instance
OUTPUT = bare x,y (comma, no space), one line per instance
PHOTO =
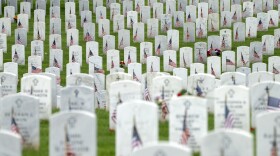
229,120
151,31
260,25
136,140
125,14
98,103
152,68
114,114
234,17
158,49
200,56
243,60
137,7
188,35
70,11
169,10
53,15
185,130
229,62
136,35
164,107
68,149
71,40
274,148
121,43
201,13
256,54
210,11
90,53
225,21
55,63
106,46
213,71
145,53
19,39
118,26
101,15
271,22
135,76
278,43
112,63
184,60
166,26
19,24
249,33
198,90
103,31
85,20
223,43
266,6
131,22
15,57
73,58
34,69
236,34
171,63
275,70
200,32
14,125
180,7
38,34
95,87
53,46
69,25
88,37
53,29
178,23
146,91
264,47
170,43
129,59
3,28
98,70
189,19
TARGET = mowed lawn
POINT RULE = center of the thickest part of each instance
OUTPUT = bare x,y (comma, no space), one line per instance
106,138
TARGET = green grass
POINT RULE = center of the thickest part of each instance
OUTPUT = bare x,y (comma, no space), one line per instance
106,138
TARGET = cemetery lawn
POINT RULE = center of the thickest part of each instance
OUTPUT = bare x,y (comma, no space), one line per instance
106,139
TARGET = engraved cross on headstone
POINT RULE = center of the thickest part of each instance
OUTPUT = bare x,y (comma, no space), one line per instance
78,81
76,93
72,121
231,93
118,78
18,103
35,82
159,153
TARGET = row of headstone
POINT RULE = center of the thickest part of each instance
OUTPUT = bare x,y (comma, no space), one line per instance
188,127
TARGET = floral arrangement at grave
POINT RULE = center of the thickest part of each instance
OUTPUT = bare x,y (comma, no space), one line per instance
182,93
122,64
214,52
